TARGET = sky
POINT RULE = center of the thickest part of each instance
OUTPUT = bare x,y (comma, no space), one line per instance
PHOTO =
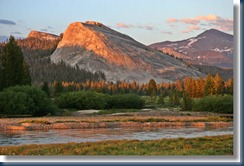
147,21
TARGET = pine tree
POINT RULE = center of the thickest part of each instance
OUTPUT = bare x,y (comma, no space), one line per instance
58,88
187,102
13,69
199,88
230,86
152,88
176,97
161,98
209,85
45,88
190,88
219,86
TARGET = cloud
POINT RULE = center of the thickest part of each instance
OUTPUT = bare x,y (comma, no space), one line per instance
192,21
209,17
211,21
203,24
223,24
45,30
7,22
166,32
147,27
172,20
16,32
191,29
123,25
127,26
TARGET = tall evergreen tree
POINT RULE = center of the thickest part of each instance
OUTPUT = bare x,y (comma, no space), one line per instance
230,86
45,88
187,102
161,98
190,87
152,88
199,88
219,85
209,85
58,88
13,69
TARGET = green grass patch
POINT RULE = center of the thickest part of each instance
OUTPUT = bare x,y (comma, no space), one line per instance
215,145
153,102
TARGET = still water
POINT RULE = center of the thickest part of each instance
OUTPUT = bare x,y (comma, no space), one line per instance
100,134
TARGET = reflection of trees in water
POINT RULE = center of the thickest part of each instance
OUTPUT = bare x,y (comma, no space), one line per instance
11,134
101,134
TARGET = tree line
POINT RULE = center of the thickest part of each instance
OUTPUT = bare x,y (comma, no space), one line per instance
195,88
36,53
26,99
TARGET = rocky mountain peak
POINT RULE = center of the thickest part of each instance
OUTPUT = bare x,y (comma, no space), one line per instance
214,33
212,47
94,23
42,35
95,47
94,38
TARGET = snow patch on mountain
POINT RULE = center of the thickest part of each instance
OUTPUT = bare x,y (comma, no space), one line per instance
222,50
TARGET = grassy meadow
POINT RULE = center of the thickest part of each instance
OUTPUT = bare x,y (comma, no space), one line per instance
214,145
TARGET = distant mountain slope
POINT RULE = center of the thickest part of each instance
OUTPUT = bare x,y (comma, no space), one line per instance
211,47
37,51
42,35
93,46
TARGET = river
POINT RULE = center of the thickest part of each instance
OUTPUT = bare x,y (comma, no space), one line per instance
101,134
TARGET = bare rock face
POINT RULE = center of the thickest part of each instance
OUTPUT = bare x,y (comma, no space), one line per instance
42,35
95,47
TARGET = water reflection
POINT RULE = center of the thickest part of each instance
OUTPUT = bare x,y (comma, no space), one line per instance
99,134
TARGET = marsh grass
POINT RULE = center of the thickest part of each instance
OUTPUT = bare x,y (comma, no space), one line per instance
35,121
132,118
214,145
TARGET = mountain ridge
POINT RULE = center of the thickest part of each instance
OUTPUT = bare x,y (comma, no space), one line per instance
42,35
212,47
94,46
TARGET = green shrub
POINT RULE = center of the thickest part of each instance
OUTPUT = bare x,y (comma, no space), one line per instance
125,101
93,100
218,104
82,100
21,100
187,103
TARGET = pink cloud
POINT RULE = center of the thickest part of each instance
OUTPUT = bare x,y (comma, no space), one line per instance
209,17
190,21
223,24
191,29
172,20
211,21
123,25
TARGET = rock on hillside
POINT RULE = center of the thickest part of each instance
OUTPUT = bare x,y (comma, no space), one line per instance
211,47
94,46
43,35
